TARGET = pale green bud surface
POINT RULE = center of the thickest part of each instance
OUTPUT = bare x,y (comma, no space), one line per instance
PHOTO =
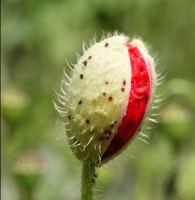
95,103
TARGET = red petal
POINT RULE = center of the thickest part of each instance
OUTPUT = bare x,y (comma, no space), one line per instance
139,88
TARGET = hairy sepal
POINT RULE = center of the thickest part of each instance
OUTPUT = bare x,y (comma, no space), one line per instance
96,102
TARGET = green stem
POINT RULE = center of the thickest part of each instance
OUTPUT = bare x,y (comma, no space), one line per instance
88,181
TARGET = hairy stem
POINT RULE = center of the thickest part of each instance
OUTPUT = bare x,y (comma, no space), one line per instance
88,181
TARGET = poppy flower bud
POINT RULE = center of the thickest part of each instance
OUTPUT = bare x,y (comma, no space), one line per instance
107,98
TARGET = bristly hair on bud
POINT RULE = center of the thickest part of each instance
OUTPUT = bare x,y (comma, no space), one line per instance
106,97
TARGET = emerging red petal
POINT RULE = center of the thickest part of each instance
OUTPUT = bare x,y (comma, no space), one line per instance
139,88
139,94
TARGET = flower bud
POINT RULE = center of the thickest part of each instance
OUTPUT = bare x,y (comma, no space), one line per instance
108,98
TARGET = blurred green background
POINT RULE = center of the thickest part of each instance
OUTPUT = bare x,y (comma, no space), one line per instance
37,36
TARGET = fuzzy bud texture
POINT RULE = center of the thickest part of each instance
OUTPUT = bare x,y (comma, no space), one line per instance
107,98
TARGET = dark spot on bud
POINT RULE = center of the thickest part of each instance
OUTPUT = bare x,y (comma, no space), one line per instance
89,57
104,94
80,102
93,181
76,141
106,45
102,138
110,98
85,62
124,82
107,138
106,82
117,143
112,125
115,122
81,76
91,133
87,121
69,117
94,101
95,175
122,89
107,132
